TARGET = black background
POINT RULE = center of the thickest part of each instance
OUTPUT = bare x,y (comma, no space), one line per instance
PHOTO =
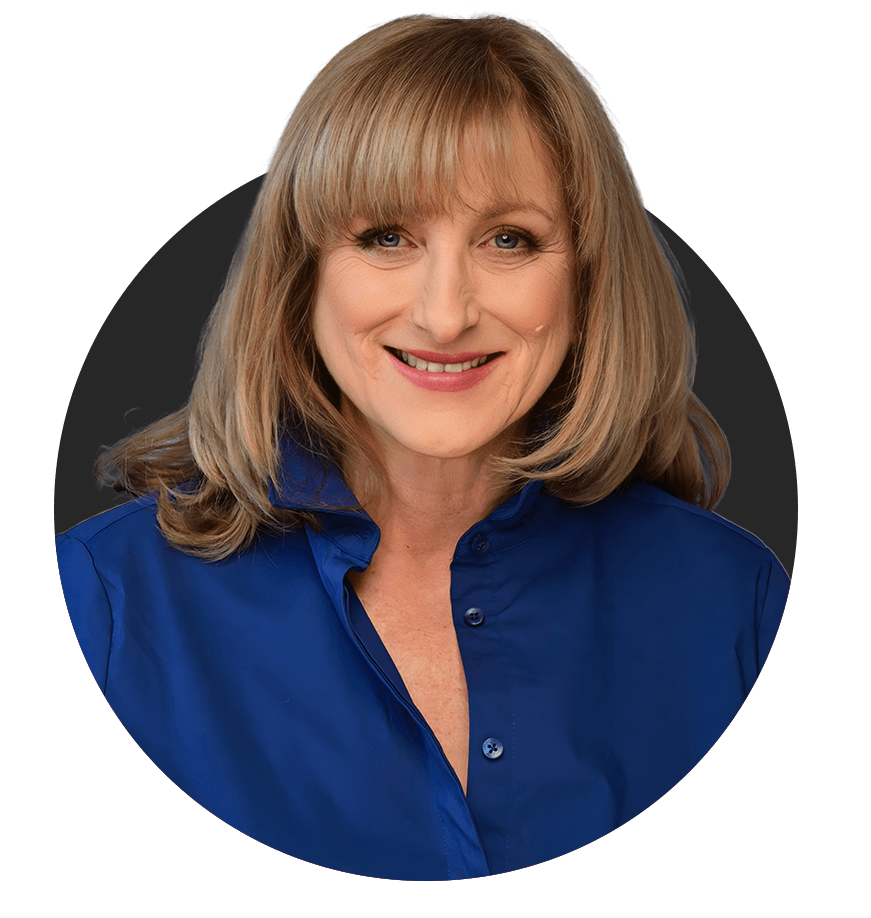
123,190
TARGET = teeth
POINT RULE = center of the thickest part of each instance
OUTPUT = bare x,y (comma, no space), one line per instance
419,364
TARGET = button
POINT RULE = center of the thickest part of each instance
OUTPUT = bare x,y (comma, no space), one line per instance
479,543
473,617
492,748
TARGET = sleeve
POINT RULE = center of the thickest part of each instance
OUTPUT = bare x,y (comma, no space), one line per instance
87,603
773,605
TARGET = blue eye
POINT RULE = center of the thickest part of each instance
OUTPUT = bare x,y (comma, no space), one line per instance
388,240
380,238
506,241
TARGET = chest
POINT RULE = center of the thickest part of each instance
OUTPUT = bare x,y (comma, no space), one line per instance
412,615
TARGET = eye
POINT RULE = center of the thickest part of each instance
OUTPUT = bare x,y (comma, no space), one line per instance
506,240
511,240
381,238
387,240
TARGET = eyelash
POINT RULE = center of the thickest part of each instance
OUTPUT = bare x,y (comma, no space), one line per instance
530,242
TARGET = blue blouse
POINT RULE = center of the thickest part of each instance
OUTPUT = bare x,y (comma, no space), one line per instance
606,648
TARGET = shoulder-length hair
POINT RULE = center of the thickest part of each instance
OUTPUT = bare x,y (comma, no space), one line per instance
379,132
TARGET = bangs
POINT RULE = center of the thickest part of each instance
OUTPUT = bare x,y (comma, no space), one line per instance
404,166
403,137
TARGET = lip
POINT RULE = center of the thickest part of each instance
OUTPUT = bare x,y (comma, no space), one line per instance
444,382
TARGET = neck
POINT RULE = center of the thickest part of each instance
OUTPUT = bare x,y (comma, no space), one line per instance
426,510
429,502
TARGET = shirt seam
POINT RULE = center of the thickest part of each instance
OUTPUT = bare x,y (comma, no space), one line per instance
693,510
108,525
444,841
105,685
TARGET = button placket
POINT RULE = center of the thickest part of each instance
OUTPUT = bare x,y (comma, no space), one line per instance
492,748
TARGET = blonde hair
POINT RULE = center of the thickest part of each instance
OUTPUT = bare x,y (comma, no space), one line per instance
379,131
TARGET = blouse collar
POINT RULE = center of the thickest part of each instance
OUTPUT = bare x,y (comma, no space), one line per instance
313,484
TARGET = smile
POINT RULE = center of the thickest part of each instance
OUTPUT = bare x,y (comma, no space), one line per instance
429,366
465,371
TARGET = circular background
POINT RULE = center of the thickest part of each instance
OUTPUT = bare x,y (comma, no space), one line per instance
697,143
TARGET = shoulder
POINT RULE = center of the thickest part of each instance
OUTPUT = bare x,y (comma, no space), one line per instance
133,517
126,546
132,513
649,501
730,569
644,526
100,547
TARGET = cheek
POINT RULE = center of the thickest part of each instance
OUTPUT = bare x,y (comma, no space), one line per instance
541,313
336,313
355,299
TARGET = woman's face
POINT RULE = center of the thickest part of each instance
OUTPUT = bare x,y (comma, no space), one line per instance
479,300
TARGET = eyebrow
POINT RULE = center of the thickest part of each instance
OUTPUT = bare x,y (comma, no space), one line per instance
510,206
497,208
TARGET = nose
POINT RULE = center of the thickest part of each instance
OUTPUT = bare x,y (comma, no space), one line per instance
444,306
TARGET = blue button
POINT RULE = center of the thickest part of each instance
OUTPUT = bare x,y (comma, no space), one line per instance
479,543
473,617
492,748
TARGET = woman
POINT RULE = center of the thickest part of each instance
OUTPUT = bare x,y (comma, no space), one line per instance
423,583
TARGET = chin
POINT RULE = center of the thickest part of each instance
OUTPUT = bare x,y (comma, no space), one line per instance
437,449
451,444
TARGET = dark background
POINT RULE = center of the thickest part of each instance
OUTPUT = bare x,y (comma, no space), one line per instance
147,142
